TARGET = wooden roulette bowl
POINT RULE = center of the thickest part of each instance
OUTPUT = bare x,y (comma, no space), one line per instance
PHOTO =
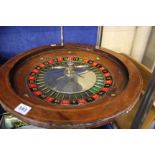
70,86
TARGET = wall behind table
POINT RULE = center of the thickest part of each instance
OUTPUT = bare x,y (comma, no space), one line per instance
16,39
118,38
131,40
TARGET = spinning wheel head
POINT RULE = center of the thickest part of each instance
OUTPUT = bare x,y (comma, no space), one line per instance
69,81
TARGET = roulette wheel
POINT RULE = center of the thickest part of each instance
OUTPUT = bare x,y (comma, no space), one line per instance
69,86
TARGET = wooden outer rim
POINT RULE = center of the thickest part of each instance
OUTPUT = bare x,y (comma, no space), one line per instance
86,116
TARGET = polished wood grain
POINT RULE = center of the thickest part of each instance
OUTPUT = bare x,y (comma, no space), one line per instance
125,121
127,87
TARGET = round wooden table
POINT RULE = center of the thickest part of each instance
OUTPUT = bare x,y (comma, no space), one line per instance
70,86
